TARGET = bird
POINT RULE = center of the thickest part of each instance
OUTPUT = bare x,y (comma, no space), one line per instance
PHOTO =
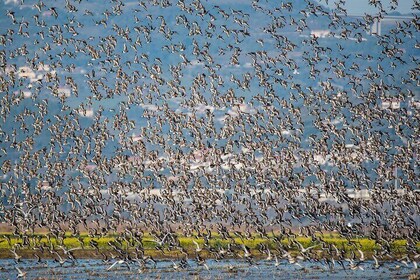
247,252
276,263
67,251
20,274
377,264
305,250
60,260
201,262
118,262
159,241
198,249
176,266
150,122
17,257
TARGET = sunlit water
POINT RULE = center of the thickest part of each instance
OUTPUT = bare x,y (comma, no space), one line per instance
97,269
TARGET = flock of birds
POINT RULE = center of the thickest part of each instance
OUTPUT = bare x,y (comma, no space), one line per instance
194,117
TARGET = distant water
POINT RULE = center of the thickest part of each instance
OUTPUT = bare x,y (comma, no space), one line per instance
96,269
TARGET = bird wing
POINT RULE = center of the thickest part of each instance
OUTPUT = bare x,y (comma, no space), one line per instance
300,245
376,261
58,255
244,247
14,253
311,247
362,256
18,269
109,268
72,249
163,239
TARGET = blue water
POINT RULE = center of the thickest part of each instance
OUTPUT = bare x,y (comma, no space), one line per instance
97,269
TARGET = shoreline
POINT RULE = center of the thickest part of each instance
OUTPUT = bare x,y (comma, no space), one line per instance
48,247
92,254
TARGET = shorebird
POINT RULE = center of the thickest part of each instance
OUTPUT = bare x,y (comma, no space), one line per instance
68,251
194,117
60,260
118,262
20,274
197,249
305,250
176,266
276,263
377,264
160,242
17,257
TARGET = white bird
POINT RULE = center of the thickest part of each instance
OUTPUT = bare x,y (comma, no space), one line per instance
354,266
304,250
16,256
161,241
362,256
247,254
115,263
198,249
277,263
66,251
377,265
269,256
176,266
21,274
291,259
60,259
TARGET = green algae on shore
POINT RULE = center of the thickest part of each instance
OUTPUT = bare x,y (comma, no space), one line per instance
86,245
